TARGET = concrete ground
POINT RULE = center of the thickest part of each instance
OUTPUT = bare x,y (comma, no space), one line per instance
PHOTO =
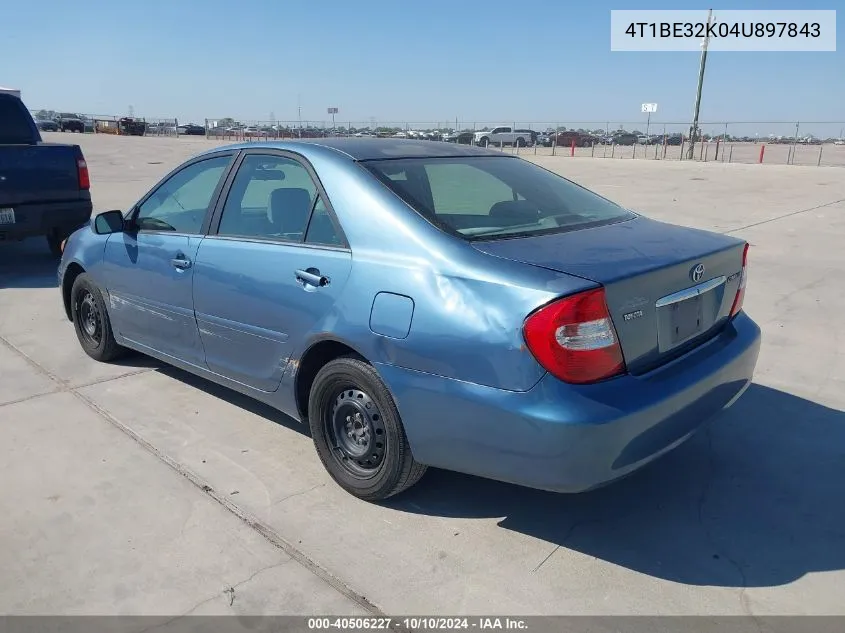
137,488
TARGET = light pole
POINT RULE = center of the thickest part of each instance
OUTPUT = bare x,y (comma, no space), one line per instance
299,112
694,129
333,111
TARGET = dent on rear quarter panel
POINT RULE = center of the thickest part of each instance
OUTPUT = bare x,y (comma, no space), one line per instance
468,307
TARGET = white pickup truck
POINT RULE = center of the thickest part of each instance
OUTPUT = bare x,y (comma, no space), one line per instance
504,135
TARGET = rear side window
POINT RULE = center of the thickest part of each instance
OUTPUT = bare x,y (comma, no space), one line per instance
271,197
481,197
14,123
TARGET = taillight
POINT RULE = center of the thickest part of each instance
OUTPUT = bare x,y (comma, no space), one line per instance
82,173
574,339
743,277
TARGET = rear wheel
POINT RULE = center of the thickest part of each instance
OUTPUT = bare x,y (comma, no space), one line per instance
91,321
358,433
520,142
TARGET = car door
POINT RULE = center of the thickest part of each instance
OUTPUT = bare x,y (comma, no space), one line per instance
270,270
149,267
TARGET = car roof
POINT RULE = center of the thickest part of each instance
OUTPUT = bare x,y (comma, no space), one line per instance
363,148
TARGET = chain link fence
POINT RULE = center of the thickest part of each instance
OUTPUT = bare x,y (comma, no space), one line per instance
56,121
780,143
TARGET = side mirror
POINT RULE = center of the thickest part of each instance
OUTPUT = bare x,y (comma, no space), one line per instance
109,222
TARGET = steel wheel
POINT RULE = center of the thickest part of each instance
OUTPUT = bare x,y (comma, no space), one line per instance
356,434
357,431
90,319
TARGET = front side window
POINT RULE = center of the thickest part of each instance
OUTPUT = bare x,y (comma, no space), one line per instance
181,203
494,197
271,197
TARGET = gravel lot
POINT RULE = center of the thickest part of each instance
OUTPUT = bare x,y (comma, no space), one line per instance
139,489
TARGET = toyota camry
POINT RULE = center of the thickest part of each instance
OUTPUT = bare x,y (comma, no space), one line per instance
423,304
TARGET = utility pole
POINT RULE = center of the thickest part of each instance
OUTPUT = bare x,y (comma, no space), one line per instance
694,129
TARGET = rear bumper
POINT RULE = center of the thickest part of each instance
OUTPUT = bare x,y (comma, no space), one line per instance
43,218
569,438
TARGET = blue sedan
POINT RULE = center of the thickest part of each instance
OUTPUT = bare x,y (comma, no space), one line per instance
423,304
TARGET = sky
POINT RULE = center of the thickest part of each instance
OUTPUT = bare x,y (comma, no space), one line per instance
394,61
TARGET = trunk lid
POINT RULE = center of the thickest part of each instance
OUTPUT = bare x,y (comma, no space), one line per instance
660,305
38,173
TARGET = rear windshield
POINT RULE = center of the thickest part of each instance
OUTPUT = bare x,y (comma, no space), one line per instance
15,128
488,197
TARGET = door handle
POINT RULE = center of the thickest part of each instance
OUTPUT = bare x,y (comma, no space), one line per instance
312,276
182,263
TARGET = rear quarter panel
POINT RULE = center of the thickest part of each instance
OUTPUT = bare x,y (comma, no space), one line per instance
468,307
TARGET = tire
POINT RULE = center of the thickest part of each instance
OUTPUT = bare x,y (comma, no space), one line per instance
520,142
54,243
349,410
486,142
91,321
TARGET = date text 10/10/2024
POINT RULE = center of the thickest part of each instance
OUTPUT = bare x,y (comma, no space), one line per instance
417,623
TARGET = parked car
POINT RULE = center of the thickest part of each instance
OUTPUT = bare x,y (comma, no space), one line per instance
129,126
47,125
503,135
462,138
582,139
70,122
839,141
543,139
493,334
191,129
532,135
674,139
44,188
624,138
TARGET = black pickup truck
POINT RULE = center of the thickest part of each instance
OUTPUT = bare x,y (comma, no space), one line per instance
44,187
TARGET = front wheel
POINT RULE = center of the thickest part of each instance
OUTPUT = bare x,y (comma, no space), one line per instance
358,433
91,321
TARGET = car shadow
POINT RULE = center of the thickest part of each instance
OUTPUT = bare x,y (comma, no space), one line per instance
233,397
27,264
756,499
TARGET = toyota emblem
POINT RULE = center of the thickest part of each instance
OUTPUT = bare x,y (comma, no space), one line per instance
697,272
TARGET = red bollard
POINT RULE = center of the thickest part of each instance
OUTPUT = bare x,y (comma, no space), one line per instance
762,151
572,148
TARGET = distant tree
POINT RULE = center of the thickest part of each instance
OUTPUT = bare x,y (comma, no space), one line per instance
226,122
45,114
